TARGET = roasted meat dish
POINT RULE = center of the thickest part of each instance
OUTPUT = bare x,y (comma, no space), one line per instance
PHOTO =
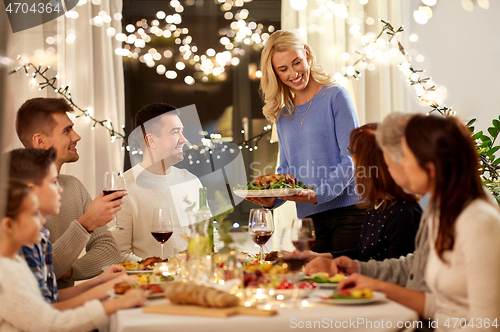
269,180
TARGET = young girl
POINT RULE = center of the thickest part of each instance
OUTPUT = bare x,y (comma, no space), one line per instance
463,268
313,119
22,307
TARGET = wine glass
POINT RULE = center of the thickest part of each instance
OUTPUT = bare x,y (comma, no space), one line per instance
261,227
162,227
302,236
114,181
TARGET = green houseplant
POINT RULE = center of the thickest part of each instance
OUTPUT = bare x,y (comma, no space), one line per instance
488,161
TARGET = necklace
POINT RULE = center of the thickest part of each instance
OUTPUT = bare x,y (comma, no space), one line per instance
379,204
303,116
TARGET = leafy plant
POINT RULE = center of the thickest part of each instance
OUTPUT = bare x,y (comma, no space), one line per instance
488,161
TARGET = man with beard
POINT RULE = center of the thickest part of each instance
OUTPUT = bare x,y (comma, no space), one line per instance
43,123
156,183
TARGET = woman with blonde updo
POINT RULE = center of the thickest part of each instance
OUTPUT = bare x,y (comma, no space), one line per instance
314,118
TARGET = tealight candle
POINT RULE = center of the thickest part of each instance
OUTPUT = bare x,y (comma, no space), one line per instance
164,268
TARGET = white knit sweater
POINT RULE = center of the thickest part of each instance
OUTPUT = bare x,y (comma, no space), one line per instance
147,191
22,307
469,286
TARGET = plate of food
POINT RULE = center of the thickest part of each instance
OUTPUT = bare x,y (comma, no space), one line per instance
284,289
273,185
323,280
152,290
352,297
142,266
152,278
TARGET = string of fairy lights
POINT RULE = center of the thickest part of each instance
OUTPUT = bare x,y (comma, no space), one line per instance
214,145
208,65
374,48
211,146
64,91
240,32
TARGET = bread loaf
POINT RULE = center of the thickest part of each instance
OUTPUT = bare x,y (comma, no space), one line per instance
189,293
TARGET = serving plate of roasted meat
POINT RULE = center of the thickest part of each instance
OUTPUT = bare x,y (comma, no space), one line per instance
272,185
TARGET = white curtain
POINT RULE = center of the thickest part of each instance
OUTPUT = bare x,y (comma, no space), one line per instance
95,75
378,92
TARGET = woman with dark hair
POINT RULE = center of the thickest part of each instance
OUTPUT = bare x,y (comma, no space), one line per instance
463,269
392,216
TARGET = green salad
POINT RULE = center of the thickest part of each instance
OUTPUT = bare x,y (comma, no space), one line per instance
277,185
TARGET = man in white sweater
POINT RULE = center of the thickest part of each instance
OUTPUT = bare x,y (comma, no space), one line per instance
43,123
156,183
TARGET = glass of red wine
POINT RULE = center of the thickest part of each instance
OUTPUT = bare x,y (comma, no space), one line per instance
302,236
114,181
261,228
162,227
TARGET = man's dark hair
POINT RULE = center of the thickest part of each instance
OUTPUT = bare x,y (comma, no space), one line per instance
30,165
35,116
149,112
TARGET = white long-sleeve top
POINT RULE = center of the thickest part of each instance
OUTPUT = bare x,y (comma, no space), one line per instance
147,191
469,285
22,307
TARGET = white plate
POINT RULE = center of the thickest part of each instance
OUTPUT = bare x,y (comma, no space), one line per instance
104,268
138,271
377,297
287,293
156,295
326,285
149,295
267,192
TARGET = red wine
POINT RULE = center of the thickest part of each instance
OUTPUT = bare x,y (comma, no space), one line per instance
294,263
311,243
261,237
161,237
109,192
301,245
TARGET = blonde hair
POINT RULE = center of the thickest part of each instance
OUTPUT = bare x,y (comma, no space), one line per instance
275,94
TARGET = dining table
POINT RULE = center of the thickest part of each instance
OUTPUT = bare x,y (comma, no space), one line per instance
380,316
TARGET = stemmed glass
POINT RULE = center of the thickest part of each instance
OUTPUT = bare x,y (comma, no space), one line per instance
114,181
302,236
261,227
162,227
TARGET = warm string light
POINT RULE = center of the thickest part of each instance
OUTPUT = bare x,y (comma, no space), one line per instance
64,91
373,49
213,147
209,65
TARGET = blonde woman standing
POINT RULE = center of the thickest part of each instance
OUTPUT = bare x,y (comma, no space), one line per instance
313,118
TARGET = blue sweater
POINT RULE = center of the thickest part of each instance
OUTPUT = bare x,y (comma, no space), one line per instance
316,152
